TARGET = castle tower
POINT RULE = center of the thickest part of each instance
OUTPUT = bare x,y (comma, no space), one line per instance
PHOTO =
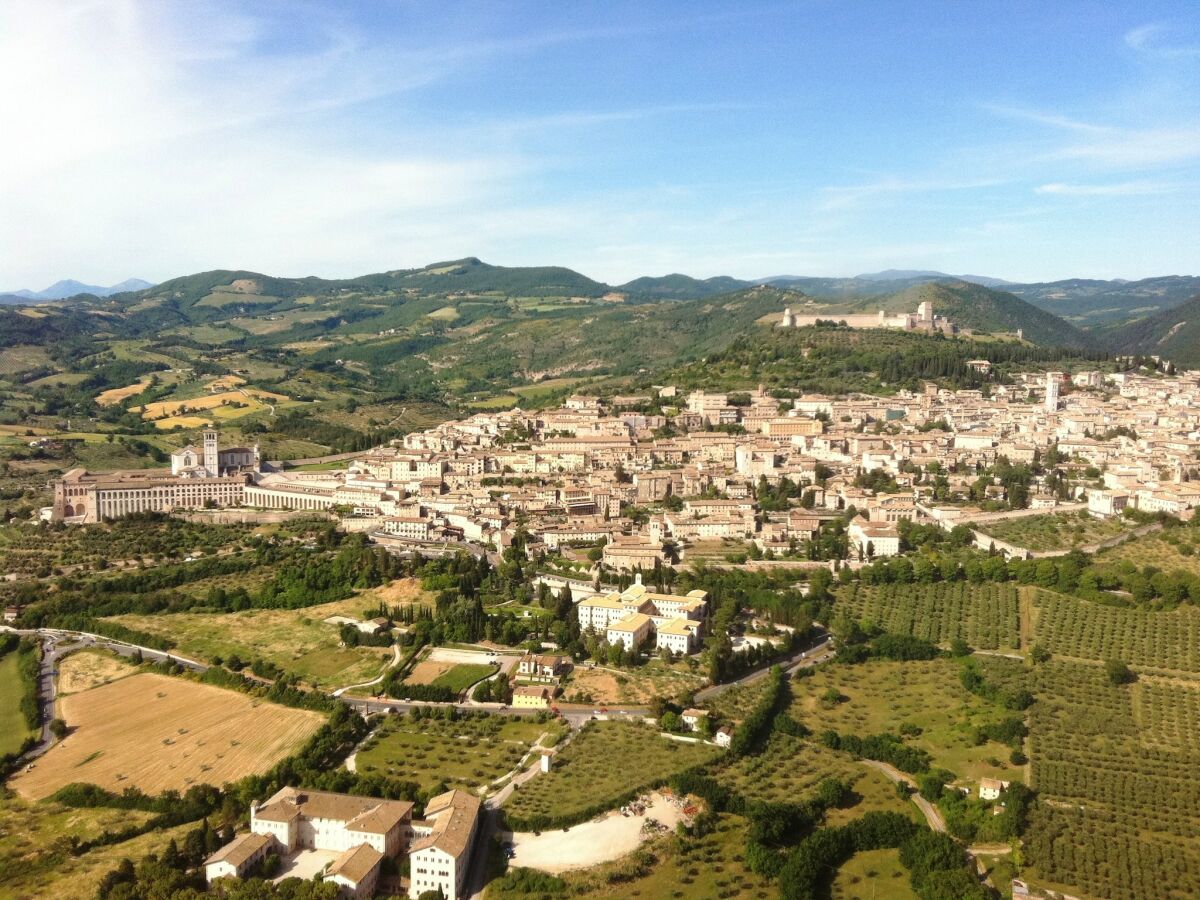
925,313
211,455
1052,381
789,320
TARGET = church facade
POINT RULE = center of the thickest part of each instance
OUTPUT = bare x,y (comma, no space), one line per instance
199,478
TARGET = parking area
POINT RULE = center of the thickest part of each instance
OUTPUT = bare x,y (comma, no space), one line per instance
599,841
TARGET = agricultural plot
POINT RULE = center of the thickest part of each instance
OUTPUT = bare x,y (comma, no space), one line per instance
463,675
113,396
984,615
731,705
297,640
223,405
88,669
1171,551
1057,531
1144,638
789,769
604,762
23,358
466,753
883,696
26,548
158,733
1115,767
599,686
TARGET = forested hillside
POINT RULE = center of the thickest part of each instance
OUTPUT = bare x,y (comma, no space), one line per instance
1173,333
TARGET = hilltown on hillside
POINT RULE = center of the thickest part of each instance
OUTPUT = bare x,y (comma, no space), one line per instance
602,482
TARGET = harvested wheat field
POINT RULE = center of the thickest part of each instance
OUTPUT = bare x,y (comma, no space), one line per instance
113,396
427,671
90,668
155,732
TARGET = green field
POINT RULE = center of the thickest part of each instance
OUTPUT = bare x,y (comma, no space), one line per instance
872,875
463,676
601,764
296,640
468,753
881,696
789,769
13,729
983,615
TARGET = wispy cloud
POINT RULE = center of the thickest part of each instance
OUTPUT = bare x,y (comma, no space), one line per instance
836,197
1041,117
1154,38
1117,189
1108,145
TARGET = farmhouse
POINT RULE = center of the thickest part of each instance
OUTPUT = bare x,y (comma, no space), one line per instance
531,696
546,666
991,788
691,717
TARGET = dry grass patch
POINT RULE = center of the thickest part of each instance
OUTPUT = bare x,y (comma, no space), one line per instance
87,669
400,592
32,835
629,686
297,640
427,671
157,733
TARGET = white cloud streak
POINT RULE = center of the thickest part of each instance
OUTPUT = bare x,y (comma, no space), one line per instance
1118,189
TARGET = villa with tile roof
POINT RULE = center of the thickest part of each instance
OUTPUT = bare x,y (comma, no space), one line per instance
362,830
675,620
440,854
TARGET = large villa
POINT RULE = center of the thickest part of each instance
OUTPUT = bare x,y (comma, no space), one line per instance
363,832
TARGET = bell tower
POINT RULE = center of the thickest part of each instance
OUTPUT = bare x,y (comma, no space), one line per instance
211,454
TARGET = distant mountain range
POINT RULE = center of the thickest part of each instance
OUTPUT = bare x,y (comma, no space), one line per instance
1073,312
68,287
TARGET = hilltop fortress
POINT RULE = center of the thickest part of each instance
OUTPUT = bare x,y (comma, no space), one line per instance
922,320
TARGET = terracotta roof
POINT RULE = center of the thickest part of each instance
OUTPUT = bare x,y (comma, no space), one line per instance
356,863
454,814
369,813
240,849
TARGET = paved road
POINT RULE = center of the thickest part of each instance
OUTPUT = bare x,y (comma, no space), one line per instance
815,653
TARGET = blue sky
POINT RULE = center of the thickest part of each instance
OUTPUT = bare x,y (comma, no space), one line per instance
1030,141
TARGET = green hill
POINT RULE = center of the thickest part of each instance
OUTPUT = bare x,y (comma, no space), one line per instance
1088,301
471,274
987,309
1173,333
681,287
